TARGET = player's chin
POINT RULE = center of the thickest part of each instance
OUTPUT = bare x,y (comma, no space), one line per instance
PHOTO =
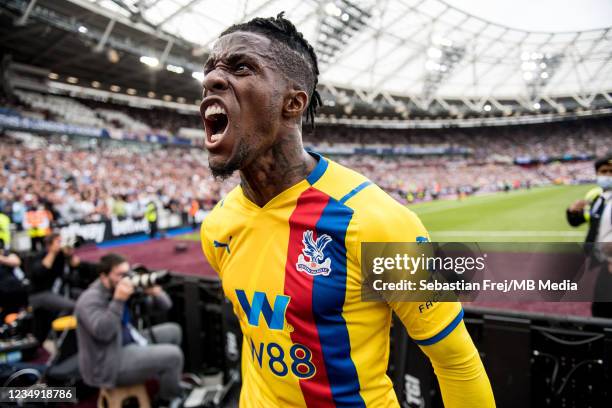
220,166
224,163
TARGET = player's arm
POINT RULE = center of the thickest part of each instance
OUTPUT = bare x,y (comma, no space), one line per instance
441,333
437,328
461,375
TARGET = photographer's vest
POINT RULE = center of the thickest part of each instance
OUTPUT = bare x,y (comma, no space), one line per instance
151,212
5,232
593,212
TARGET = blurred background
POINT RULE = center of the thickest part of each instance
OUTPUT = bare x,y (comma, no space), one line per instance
484,117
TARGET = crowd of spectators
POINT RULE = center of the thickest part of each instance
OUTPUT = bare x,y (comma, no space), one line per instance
91,179
552,140
103,179
97,182
442,177
587,137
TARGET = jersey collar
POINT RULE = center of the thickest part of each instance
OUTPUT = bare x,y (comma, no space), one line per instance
319,169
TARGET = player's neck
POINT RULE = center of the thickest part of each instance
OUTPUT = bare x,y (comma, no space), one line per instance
282,166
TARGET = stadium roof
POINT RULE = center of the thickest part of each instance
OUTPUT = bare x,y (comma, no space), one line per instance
387,58
420,48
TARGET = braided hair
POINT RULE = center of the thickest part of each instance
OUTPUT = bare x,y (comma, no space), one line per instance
293,54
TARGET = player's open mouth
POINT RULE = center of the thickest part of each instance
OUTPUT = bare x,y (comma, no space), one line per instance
215,122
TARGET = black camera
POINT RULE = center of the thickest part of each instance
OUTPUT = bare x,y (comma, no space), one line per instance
72,241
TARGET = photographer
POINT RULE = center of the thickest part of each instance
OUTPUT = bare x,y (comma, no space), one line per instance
596,210
13,293
111,351
47,273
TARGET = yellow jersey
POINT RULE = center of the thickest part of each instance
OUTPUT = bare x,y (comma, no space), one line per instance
291,270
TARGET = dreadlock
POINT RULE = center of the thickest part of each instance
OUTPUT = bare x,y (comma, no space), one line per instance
296,57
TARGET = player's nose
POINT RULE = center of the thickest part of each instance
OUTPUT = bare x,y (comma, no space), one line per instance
214,80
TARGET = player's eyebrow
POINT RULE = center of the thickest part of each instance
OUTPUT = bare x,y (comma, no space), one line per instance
231,59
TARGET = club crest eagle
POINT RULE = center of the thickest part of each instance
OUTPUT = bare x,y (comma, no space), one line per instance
317,264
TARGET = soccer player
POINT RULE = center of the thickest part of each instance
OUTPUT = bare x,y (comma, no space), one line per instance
286,242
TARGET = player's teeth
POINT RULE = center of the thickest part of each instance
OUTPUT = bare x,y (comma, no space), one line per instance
215,137
214,110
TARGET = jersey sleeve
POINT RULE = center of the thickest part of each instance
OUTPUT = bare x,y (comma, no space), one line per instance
208,245
462,377
426,322
437,327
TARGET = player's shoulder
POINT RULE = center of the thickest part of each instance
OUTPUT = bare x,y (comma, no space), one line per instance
218,216
377,211
373,209
336,180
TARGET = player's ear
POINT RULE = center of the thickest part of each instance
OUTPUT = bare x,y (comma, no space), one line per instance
295,103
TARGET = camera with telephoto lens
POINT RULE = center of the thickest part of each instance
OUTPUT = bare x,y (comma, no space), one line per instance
141,277
72,241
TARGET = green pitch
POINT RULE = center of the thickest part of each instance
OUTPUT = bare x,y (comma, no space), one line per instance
193,236
536,215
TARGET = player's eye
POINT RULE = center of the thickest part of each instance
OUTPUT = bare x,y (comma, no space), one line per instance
242,67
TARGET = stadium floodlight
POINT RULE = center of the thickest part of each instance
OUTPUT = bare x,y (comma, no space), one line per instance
95,84
151,94
167,98
442,57
536,105
83,29
72,80
131,91
150,61
339,21
115,88
333,10
175,68
198,75
487,108
53,75
434,52
538,68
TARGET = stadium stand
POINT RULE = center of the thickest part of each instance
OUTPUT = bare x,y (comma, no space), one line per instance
486,131
61,108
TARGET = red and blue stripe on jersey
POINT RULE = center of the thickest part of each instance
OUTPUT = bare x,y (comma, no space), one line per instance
315,310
